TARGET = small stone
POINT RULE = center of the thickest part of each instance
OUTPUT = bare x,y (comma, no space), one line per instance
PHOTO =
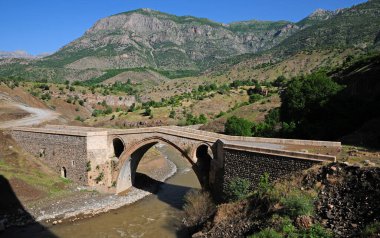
59,221
55,222
369,163
10,147
333,168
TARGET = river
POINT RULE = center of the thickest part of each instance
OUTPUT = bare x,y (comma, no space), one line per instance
157,215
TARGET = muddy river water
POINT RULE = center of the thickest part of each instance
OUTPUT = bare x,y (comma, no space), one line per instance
157,215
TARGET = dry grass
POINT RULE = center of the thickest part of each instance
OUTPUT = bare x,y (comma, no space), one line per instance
198,207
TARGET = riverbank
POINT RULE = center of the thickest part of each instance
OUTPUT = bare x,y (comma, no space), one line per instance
88,204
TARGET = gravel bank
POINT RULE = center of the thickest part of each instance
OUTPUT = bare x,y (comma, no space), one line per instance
85,204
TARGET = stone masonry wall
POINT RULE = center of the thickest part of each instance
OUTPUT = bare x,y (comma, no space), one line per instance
251,165
57,151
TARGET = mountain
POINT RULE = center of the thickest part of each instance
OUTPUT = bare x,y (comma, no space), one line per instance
148,38
20,54
179,46
317,16
16,54
355,27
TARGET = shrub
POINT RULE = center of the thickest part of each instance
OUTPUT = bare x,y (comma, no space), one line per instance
267,233
88,166
46,96
264,187
221,114
238,126
100,177
254,98
108,110
316,231
372,230
198,207
238,189
202,119
148,112
297,203
172,114
78,118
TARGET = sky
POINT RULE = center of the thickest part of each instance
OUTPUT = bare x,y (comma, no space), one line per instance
40,26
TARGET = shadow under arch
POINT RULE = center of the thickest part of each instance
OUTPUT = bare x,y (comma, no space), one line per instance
204,154
130,159
12,212
118,146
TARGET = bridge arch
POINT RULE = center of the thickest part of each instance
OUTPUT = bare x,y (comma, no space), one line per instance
130,159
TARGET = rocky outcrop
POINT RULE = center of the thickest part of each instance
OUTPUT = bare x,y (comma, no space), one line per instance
348,200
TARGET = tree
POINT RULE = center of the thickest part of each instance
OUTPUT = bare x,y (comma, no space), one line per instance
238,126
280,81
305,96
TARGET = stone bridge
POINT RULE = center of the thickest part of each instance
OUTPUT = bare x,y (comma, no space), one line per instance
107,159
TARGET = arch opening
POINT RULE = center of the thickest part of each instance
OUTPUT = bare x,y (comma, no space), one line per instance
129,163
63,172
118,147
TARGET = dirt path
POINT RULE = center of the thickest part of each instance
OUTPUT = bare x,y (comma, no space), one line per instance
37,116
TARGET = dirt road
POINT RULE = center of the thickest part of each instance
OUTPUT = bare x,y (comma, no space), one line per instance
37,116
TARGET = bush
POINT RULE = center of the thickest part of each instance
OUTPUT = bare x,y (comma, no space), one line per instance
100,177
267,233
316,231
78,118
238,126
221,114
296,204
264,187
148,112
172,114
108,110
198,207
238,189
88,166
254,98
372,230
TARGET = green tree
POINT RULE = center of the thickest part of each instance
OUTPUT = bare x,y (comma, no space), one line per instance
306,95
238,126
